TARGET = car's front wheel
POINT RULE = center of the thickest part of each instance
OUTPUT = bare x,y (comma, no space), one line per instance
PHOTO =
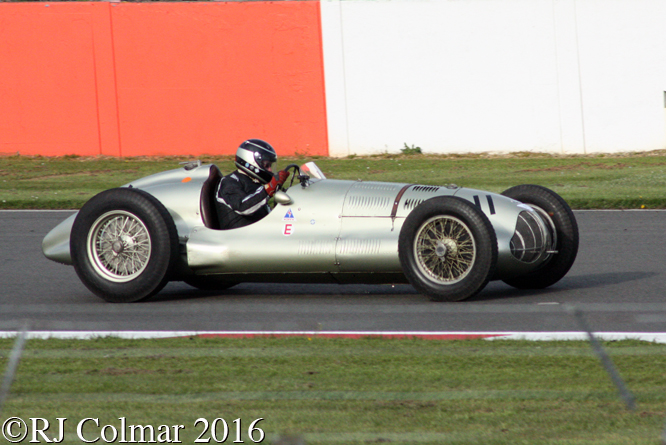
124,245
447,249
559,217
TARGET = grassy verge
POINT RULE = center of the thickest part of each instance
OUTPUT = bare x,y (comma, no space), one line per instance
603,181
341,391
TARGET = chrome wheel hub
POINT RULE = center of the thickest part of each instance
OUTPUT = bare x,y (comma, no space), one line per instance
119,246
446,247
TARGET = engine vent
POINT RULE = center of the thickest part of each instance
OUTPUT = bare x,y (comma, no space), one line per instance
359,247
530,240
411,203
425,188
315,247
380,186
369,202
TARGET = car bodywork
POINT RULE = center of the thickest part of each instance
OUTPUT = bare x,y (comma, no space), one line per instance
322,230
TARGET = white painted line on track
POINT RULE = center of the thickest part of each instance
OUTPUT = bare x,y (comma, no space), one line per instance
575,210
656,337
619,210
37,210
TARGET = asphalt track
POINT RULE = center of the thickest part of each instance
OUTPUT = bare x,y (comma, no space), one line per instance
618,283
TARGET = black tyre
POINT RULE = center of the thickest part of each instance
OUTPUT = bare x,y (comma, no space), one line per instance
124,244
558,215
447,249
208,282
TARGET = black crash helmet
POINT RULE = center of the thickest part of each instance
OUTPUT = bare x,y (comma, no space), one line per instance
256,158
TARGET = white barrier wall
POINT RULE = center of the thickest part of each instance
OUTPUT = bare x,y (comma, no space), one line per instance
561,76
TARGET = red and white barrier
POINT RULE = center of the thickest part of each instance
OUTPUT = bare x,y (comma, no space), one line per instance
332,77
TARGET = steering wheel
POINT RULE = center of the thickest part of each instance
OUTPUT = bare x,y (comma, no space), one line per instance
302,178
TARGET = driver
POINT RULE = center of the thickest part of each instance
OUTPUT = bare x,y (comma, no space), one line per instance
242,196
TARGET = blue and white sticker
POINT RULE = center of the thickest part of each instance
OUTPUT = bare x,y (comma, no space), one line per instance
289,216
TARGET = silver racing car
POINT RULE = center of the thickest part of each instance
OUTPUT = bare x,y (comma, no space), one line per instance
447,241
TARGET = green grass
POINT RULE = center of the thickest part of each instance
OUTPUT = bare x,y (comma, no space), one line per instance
344,391
628,181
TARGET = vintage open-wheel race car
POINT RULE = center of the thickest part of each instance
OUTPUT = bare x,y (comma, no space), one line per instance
447,241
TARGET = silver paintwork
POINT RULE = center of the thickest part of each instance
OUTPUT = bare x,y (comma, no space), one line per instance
331,230
55,244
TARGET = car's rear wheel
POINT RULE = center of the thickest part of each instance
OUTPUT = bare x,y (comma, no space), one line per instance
124,244
447,249
560,219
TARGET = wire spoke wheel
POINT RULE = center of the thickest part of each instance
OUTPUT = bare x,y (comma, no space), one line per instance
119,246
124,245
445,249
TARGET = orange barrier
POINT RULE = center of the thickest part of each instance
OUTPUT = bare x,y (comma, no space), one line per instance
133,79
